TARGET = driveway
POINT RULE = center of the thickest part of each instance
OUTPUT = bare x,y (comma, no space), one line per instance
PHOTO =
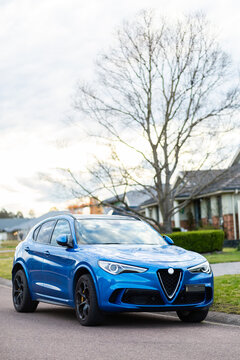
53,333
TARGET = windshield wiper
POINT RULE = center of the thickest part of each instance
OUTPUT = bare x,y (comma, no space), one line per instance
105,243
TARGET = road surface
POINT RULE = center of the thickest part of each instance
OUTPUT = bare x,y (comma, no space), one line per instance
53,333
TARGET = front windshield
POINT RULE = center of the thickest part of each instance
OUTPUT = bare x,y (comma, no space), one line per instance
113,231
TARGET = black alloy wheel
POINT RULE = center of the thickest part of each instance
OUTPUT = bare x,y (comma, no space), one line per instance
193,316
22,300
86,305
18,288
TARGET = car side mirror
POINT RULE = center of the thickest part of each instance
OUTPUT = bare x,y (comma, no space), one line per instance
168,240
62,240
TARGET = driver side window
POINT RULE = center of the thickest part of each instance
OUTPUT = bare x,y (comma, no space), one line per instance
62,228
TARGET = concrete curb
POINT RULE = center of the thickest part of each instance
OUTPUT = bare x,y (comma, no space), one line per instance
6,251
221,269
223,318
213,316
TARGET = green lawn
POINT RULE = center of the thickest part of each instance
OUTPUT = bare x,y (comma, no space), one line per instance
227,255
227,294
6,260
8,244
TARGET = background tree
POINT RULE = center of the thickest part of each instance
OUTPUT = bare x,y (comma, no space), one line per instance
19,214
4,214
31,213
161,84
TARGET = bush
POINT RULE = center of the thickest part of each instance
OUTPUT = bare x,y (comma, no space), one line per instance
176,229
199,241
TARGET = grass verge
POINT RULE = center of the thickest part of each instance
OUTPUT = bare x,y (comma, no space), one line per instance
6,261
8,244
227,294
227,255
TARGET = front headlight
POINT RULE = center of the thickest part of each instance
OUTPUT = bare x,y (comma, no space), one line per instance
116,268
203,267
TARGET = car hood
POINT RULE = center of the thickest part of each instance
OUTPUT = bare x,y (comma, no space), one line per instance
143,253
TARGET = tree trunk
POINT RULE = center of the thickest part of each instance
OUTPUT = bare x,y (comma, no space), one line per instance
167,225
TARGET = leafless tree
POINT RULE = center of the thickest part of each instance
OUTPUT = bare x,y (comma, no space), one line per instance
160,84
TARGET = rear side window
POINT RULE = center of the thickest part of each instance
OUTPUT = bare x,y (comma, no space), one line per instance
45,232
35,233
62,228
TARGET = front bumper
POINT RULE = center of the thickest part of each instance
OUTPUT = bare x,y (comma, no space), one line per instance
144,292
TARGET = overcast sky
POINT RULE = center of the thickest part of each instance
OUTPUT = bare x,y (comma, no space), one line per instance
45,47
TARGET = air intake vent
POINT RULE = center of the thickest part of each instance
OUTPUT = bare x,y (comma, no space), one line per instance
142,297
170,280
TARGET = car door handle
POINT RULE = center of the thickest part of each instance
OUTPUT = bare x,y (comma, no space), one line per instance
27,249
47,253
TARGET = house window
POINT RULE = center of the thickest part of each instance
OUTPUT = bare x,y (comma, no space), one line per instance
219,206
209,210
219,209
150,212
197,211
157,212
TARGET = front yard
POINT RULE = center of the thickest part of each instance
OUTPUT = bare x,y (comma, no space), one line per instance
6,260
227,255
227,294
8,245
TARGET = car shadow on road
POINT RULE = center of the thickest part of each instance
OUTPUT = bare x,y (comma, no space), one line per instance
123,320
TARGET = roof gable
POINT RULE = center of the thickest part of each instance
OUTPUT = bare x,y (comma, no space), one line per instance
236,159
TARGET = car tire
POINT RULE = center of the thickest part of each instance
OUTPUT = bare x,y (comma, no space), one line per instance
86,304
22,300
193,316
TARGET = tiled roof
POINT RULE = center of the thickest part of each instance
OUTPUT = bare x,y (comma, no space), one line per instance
26,226
208,181
16,224
135,198
12,224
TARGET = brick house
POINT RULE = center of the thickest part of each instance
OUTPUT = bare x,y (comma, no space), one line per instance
10,227
133,198
86,205
217,205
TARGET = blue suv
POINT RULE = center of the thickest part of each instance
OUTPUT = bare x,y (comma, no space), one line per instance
99,263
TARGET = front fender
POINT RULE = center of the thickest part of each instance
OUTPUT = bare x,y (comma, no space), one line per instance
85,267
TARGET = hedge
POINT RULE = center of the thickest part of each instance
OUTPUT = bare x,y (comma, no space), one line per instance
200,241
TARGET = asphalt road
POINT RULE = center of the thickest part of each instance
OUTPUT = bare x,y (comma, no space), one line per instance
53,333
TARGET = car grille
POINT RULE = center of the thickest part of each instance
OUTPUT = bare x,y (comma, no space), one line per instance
170,282
142,297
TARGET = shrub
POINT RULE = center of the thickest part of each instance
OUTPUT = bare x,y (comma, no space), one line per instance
176,229
199,241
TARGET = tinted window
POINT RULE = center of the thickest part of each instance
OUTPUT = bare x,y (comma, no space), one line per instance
99,231
45,232
78,232
35,233
62,228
